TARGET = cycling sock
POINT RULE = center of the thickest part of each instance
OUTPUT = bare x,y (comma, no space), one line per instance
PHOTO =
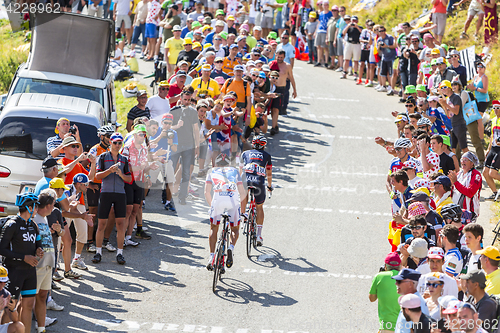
41,329
259,231
49,298
76,256
139,229
119,251
167,202
99,250
105,241
128,237
211,256
231,247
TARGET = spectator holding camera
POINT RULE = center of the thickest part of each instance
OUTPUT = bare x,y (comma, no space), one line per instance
63,130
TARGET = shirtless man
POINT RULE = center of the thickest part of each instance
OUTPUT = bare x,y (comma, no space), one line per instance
286,74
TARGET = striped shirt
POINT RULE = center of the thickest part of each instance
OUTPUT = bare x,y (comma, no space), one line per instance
52,143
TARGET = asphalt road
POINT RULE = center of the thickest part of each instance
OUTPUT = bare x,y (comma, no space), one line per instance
324,235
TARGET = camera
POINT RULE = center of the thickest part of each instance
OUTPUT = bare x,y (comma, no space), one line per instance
170,134
72,129
382,43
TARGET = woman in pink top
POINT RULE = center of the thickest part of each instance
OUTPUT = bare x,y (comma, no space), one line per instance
439,16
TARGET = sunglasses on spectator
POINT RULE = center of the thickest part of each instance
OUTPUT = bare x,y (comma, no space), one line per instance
433,285
421,105
401,281
455,56
219,62
496,108
480,66
142,134
167,123
164,88
409,105
74,146
415,227
273,77
381,30
217,38
117,142
415,41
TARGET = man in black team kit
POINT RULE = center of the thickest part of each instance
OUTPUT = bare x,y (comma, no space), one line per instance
256,164
21,246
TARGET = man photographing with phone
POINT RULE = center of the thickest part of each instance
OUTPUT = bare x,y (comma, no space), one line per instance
352,49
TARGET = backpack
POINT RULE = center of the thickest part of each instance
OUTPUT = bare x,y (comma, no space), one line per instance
497,301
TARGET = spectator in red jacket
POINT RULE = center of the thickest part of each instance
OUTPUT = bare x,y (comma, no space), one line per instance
467,183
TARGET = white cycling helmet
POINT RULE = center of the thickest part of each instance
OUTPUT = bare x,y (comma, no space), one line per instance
424,121
106,129
402,143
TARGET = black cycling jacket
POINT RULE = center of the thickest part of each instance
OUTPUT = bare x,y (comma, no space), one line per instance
17,239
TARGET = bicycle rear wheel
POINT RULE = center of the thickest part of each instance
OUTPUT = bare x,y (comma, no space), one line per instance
250,232
217,265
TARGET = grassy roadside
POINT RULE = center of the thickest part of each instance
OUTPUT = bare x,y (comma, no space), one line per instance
10,59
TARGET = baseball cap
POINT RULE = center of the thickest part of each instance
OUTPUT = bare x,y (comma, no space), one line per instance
262,75
490,252
433,62
410,164
250,63
452,307
475,276
240,38
416,208
141,92
435,51
57,124
495,102
418,248
139,128
433,98
70,140
334,7
415,37
445,181
80,178
421,189
4,274
435,277
168,116
445,83
354,17
116,137
239,68
400,118
435,253
229,96
410,89
206,68
257,27
233,46
49,162
313,14
445,300
198,32
182,62
453,52
419,196
393,259
266,68
409,301
187,41
440,61
176,28
407,273
58,183
421,87
181,73
207,20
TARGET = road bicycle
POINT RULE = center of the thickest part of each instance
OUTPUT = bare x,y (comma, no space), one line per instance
220,254
251,223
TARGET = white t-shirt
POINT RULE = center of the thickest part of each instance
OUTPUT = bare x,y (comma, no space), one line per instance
119,55
472,266
265,7
122,7
158,107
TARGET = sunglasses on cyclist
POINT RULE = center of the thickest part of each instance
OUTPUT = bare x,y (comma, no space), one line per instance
398,149
433,285
117,142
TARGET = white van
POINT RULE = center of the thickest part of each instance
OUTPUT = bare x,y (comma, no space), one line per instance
68,56
26,122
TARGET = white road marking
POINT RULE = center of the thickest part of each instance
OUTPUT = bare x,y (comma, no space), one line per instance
331,99
328,210
129,325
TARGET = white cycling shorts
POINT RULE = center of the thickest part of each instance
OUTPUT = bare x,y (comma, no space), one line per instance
225,203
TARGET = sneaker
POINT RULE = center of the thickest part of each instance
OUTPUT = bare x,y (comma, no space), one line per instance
170,206
74,275
120,259
340,69
97,259
91,248
463,35
79,263
491,197
378,86
193,193
110,247
52,305
202,173
273,131
50,321
54,286
229,261
210,267
142,235
367,81
344,76
130,242
318,64
141,56
57,276
382,89
260,241
194,180
369,85
390,92
143,204
359,82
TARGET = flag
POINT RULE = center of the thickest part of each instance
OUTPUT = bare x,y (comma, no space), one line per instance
467,59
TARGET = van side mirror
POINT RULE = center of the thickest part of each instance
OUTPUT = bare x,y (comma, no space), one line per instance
113,117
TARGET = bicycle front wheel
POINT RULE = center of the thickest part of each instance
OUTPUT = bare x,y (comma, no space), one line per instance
217,266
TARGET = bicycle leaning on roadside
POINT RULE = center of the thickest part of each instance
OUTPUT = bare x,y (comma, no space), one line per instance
250,228
220,254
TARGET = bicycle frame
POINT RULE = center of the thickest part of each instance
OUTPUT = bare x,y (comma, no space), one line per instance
251,223
219,259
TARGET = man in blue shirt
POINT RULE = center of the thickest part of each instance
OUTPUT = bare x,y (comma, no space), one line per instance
320,35
287,47
386,46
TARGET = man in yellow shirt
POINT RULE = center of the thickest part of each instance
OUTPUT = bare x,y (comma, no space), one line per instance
173,46
230,61
204,86
442,191
490,258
